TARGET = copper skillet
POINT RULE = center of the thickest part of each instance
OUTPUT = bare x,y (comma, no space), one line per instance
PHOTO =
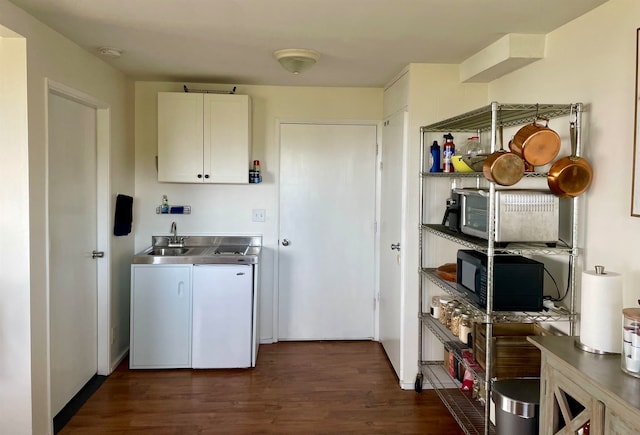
570,176
502,167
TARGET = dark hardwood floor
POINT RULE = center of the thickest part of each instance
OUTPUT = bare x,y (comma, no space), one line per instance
296,388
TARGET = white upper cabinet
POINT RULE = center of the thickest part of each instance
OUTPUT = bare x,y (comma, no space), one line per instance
203,138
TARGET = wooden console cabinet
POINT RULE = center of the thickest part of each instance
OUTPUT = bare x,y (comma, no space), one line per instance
578,387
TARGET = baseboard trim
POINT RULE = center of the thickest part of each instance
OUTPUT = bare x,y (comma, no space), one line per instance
115,363
70,409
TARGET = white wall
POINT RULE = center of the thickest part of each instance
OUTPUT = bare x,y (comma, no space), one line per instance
50,55
592,60
226,209
435,93
15,355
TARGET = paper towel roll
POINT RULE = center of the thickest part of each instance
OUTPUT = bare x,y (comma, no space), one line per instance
600,311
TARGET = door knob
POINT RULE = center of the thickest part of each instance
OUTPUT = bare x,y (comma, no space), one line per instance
395,246
97,254
285,242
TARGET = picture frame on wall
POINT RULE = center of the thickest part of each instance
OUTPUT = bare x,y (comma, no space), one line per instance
635,182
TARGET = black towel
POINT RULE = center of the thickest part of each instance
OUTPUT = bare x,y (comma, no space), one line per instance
123,215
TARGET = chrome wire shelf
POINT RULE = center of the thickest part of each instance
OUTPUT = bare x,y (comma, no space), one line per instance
451,343
512,115
468,412
476,174
480,314
512,248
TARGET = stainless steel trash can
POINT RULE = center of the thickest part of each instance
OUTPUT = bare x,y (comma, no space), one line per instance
517,403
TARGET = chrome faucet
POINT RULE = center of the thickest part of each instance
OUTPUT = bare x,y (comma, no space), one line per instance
174,240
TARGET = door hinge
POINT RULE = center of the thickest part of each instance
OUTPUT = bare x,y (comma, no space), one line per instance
375,301
375,227
381,166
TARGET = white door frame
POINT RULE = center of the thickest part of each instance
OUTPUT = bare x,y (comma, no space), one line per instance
276,265
103,121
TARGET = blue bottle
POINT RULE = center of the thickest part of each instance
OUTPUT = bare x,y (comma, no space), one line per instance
435,157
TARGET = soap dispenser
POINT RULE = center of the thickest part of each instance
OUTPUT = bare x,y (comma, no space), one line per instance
165,204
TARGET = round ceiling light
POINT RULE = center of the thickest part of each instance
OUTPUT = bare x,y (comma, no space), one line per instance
296,60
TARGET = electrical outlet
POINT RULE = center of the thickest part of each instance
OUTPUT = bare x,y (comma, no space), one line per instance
259,215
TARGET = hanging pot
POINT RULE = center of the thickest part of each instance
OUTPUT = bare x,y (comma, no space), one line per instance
502,167
570,176
537,144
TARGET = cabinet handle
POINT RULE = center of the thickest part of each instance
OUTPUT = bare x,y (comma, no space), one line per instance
206,176
199,175
180,289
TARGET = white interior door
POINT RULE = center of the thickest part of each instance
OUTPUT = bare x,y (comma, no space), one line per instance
72,239
327,215
393,139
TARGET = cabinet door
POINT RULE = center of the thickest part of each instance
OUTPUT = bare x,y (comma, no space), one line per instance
566,407
160,316
222,316
180,135
227,121
621,423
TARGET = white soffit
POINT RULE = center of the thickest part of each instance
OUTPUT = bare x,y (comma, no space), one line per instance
507,54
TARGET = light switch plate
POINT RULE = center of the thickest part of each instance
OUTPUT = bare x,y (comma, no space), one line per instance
259,215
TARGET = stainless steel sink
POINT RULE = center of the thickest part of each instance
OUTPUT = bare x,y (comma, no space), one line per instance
230,250
168,251
202,250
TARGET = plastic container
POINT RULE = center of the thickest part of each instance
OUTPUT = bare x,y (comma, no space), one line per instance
473,146
630,358
517,403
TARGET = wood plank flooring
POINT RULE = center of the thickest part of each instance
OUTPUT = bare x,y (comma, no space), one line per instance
296,388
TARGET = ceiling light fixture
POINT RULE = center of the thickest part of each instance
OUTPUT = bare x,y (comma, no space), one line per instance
296,60
111,52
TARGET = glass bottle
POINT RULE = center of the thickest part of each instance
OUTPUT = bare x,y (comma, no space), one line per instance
465,328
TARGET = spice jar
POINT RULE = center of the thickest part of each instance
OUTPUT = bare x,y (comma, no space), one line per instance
443,309
455,321
434,309
464,331
449,313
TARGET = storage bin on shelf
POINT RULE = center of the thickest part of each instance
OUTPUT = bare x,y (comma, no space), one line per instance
512,355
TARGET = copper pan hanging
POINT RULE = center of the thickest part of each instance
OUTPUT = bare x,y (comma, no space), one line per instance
536,143
570,176
502,167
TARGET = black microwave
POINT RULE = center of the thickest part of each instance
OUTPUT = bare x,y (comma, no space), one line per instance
517,281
